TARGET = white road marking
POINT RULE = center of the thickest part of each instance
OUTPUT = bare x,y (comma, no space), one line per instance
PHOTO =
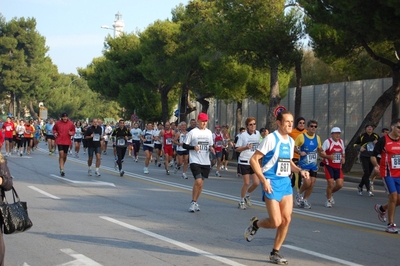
44,192
174,242
81,260
326,257
94,182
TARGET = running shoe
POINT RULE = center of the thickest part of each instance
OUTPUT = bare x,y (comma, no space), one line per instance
251,230
159,164
278,259
89,172
76,155
167,172
328,203
96,173
226,168
217,174
62,173
247,201
381,214
298,199
121,173
305,204
332,200
359,190
391,228
242,205
370,194
184,176
176,169
371,185
194,207
136,159
155,162
145,170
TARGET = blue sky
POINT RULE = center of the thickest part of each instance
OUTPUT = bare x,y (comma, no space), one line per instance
72,28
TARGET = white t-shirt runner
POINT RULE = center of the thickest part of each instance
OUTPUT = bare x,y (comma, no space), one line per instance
202,138
244,139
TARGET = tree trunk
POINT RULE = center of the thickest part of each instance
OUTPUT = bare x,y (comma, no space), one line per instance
186,106
239,115
164,90
204,103
34,115
374,116
297,100
275,98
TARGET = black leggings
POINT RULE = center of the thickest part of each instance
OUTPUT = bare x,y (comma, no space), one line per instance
367,169
120,155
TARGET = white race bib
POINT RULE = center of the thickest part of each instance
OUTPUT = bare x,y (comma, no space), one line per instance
312,157
283,168
396,161
337,157
96,137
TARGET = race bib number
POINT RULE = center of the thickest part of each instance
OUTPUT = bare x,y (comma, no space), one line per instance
370,146
148,137
254,147
396,161
312,157
78,135
96,137
121,142
337,157
219,143
8,128
168,141
204,146
283,168
28,132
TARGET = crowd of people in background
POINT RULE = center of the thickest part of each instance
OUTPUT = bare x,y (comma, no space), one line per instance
287,159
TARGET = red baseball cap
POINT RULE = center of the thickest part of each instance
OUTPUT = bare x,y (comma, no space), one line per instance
202,117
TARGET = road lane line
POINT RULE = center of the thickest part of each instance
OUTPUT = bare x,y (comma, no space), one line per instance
174,242
44,192
326,257
80,259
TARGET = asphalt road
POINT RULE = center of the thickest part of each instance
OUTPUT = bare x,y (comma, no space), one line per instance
142,219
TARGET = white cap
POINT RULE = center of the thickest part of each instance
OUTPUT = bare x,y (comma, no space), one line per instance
335,130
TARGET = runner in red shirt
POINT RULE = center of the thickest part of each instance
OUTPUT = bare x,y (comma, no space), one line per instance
63,130
8,128
168,136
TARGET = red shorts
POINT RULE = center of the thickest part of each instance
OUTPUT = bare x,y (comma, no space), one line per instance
168,150
335,173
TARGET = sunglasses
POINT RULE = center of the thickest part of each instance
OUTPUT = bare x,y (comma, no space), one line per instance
302,123
252,124
313,126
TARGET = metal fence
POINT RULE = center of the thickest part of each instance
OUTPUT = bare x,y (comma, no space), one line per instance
342,104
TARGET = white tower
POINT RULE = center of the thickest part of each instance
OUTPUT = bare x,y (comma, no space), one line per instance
118,25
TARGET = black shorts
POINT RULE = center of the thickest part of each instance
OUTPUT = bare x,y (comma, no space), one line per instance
199,170
312,173
245,169
78,140
50,137
157,146
180,153
63,148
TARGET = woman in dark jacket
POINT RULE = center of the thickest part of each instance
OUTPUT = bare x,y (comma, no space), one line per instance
6,184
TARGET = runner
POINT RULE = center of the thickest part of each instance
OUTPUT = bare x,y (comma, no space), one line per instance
63,130
136,133
334,157
93,136
246,145
50,136
275,153
122,135
199,142
218,140
148,145
8,129
78,137
167,136
182,154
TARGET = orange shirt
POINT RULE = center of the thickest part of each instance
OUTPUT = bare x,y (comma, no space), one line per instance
294,134
29,130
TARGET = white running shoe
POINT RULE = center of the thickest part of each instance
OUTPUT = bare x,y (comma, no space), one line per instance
328,203
145,170
298,199
194,207
247,201
96,173
217,174
184,176
242,205
89,172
